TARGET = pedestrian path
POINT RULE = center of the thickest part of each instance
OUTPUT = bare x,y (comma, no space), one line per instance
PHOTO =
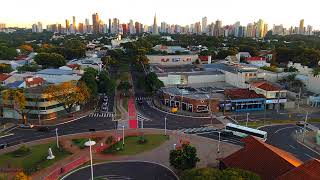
143,98
102,115
197,130
140,117
123,124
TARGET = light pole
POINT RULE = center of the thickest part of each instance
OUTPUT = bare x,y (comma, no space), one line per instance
57,137
165,125
304,127
122,136
91,159
247,119
218,148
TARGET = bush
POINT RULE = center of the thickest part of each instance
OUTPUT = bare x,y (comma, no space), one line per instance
22,151
184,157
142,140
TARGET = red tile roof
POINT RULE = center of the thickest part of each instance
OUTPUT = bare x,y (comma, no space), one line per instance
204,58
3,77
242,94
34,81
255,59
73,66
266,86
309,170
265,160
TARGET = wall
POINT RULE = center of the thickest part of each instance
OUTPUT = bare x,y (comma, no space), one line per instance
313,84
206,78
172,60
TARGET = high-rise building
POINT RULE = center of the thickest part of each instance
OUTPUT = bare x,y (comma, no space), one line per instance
110,26
39,27
132,29
309,30
163,27
197,27
138,27
278,30
115,26
95,22
260,29
265,29
218,28
74,23
81,28
301,27
67,25
34,28
204,25
125,28
250,30
236,27
155,30
2,26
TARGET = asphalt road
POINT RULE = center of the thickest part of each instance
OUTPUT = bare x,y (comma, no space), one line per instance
125,171
282,137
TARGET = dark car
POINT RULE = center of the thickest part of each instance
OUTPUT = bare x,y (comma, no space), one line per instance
43,129
4,145
140,102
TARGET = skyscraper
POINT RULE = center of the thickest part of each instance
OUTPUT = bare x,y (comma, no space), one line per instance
95,22
40,30
204,24
74,23
34,28
260,29
155,26
301,26
110,26
67,25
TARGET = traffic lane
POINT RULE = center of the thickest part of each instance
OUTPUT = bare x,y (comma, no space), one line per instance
173,121
223,138
79,126
282,136
125,170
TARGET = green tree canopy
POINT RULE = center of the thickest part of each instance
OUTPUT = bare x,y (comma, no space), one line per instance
153,83
50,60
184,157
7,53
5,68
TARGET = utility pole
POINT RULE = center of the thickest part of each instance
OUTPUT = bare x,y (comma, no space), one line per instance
57,137
165,125
304,127
218,148
91,164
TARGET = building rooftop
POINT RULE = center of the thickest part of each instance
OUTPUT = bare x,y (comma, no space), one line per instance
55,72
255,59
309,170
3,77
233,68
15,84
267,161
266,86
194,93
235,94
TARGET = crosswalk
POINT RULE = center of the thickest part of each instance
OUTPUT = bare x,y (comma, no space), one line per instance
102,115
196,130
143,98
140,117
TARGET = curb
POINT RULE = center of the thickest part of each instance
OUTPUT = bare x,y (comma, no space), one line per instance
109,162
64,122
6,135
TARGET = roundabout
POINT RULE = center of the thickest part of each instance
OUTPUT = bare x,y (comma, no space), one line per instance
133,170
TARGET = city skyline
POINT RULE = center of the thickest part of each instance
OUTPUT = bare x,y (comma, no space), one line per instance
273,14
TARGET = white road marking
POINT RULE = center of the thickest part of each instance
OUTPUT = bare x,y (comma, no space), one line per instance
284,129
308,155
292,146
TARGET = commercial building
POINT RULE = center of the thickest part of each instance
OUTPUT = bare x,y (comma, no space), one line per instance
172,60
39,106
256,61
198,100
243,100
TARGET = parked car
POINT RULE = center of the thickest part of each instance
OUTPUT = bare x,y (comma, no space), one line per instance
3,145
26,126
104,108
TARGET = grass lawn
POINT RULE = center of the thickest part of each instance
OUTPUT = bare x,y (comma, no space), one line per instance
81,141
35,160
133,147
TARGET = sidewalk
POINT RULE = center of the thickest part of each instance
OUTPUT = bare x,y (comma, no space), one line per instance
206,149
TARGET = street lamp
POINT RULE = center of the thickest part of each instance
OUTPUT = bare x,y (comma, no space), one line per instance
165,125
247,119
90,144
122,136
218,148
57,137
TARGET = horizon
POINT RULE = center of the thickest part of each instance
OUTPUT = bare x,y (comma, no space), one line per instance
146,10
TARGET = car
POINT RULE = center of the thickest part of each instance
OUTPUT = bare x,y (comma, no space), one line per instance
105,99
3,145
301,123
43,129
140,102
104,108
26,126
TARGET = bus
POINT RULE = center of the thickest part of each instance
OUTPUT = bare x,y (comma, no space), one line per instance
243,131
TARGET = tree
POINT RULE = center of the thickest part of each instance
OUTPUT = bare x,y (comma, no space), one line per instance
5,68
124,87
26,48
153,83
69,94
21,176
28,68
105,84
292,69
15,98
7,53
142,59
184,157
74,49
48,60
108,60
89,78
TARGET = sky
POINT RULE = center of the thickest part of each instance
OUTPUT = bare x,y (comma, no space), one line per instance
23,13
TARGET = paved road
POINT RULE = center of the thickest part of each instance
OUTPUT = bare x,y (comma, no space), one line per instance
281,136
125,171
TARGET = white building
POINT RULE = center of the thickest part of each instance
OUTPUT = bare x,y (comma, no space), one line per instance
172,60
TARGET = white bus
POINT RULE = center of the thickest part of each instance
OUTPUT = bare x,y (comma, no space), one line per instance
243,131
